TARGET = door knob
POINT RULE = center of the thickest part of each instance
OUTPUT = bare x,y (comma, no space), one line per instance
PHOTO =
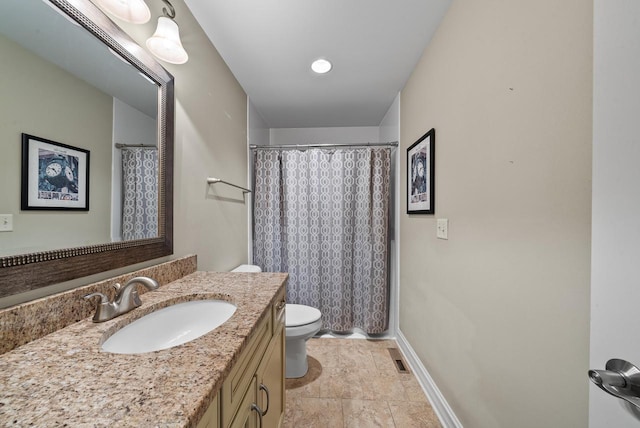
620,379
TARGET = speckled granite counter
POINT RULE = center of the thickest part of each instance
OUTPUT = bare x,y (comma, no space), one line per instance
32,320
65,379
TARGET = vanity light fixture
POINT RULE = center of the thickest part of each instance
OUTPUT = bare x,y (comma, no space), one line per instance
165,42
321,66
134,11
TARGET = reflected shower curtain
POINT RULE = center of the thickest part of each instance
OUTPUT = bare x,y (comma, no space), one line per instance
139,193
322,216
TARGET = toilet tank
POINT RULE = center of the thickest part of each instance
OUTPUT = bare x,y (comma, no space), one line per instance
247,268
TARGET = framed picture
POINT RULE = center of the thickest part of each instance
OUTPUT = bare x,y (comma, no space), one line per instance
55,176
420,175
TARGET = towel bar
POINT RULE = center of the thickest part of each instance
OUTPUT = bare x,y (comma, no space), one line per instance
212,180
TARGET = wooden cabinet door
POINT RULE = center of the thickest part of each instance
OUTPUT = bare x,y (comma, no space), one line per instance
247,415
270,376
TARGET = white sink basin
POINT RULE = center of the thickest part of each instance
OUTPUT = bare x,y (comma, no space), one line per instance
169,327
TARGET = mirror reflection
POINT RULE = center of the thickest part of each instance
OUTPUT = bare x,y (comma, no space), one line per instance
60,83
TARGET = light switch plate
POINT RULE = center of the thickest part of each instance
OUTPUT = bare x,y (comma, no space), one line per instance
442,228
6,222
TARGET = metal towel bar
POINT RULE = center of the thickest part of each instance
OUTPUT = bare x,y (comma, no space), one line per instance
212,180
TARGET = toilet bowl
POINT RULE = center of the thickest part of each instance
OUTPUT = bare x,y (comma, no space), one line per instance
301,323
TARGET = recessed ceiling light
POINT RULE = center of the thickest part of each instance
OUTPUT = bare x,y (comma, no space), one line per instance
321,66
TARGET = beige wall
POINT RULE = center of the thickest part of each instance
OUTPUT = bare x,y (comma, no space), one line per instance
211,140
499,313
41,99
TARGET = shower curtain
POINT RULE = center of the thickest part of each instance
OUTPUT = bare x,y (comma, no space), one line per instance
322,216
139,193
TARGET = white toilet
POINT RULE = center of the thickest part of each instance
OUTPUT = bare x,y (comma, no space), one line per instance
302,322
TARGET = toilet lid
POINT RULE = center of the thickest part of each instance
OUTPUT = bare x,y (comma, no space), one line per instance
298,315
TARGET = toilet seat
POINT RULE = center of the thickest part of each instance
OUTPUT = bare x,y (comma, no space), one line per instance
299,315
301,321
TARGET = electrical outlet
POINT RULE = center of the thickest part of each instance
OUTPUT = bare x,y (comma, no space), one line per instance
442,228
6,222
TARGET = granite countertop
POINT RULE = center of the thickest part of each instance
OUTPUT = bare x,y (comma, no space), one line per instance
65,379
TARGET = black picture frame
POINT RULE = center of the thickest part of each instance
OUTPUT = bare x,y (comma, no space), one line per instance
421,175
55,176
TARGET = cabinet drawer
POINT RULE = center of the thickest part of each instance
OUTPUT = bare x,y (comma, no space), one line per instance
234,388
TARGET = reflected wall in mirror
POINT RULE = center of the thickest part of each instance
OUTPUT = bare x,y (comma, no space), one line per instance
69,74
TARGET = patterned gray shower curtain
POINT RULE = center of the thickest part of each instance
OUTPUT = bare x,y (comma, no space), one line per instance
322,216
139,193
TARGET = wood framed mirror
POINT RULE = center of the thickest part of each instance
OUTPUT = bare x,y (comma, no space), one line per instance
49,247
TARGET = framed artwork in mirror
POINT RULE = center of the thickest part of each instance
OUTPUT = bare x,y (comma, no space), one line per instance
55,176
421,175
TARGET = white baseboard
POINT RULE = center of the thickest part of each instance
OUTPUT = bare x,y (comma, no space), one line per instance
440,406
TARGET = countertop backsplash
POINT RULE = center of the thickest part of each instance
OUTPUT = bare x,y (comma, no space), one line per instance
32,320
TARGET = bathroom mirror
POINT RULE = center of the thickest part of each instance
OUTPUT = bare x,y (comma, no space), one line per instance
70,75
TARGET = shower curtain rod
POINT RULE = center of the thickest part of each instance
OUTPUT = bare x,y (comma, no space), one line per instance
320,146
124,146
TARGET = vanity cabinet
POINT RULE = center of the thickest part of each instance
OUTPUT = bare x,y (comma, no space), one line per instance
211,417
253,393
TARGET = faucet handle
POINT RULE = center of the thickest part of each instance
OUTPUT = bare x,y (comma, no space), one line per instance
104,309
103,298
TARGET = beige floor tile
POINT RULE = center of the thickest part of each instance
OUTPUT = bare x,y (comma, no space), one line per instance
383,361
355,383
387,388
327,355
291,405
326,341
368,343
381,343
317,412
413,415
310,390
341,382
355,356
413,390
366,414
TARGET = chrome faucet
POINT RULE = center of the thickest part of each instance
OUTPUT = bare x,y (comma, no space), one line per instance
126,299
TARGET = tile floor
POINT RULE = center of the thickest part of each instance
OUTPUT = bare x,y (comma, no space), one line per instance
355,383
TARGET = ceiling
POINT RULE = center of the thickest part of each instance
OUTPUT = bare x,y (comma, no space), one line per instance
269,46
